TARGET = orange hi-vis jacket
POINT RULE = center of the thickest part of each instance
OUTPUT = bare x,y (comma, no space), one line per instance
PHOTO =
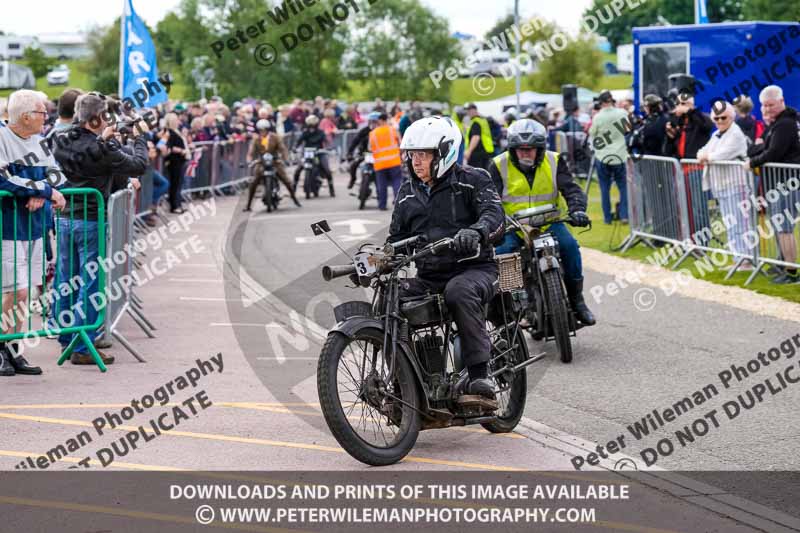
385,147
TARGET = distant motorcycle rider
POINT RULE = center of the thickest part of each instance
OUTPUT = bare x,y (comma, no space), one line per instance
313,137
269,142
361,143
528,175
444,199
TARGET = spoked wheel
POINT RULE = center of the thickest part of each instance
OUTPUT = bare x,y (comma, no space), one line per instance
268,193
372,415
307,183
559,314
512,388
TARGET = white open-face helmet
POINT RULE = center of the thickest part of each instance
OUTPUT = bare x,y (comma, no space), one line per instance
439,134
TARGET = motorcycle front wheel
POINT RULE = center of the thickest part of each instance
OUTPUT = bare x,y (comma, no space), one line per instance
512,388
268,194
364,192
558,313
360,400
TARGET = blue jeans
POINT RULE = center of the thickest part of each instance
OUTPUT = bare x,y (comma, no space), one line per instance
605,175
567,245
77,308
383,178
160,186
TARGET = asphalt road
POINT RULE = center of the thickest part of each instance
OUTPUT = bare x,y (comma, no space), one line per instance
255,295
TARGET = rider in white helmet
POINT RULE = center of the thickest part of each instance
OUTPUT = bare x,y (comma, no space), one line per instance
443,199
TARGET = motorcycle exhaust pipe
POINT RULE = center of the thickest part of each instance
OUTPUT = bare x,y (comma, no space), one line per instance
337,271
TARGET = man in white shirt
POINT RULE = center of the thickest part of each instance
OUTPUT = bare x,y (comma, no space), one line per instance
30,173
730,184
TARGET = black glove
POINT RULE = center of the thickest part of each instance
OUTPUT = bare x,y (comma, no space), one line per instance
580,219
466,241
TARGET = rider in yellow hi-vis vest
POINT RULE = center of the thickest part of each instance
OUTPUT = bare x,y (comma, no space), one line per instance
528,175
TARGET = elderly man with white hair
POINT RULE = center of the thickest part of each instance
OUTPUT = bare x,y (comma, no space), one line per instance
728,184
781,145
30,173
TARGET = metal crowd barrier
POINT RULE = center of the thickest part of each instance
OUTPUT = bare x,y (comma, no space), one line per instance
717,208
121,299
49,308
778,185
657,209
716,193
205,171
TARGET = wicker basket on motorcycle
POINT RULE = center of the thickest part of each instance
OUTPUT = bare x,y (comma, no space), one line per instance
510,268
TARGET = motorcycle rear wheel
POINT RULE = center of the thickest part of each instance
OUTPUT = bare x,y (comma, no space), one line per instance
343,387
559,313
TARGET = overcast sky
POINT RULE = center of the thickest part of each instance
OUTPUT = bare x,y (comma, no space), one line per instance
31,17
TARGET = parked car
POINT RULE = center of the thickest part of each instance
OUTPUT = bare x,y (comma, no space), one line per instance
58,76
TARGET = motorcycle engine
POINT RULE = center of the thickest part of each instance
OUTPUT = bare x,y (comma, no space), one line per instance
429,351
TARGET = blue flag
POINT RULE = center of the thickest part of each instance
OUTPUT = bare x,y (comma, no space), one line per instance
140,85
700,12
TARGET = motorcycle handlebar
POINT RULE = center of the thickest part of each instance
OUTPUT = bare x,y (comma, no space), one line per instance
337,271
391,248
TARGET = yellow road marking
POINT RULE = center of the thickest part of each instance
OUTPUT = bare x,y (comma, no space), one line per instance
273,407
265,442
160,517
120,405
93,462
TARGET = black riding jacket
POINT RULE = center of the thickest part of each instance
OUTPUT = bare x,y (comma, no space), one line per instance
312,138
464,197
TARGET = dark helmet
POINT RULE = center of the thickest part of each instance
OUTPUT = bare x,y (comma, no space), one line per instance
527,133
652,99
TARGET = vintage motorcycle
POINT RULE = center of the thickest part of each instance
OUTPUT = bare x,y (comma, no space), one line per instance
272,191
547,312
312,180
367,179
272,188
392,367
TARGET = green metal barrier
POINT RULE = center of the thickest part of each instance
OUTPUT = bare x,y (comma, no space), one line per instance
9,200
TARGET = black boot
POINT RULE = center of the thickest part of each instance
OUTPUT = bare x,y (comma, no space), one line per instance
482,387
21,366
576,301
6,367
330,188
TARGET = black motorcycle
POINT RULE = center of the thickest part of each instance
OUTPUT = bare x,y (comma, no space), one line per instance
547,310
272,188
312,166
367,179
392,367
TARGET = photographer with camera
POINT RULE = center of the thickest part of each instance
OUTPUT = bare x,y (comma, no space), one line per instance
94,158
688,129
650,134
